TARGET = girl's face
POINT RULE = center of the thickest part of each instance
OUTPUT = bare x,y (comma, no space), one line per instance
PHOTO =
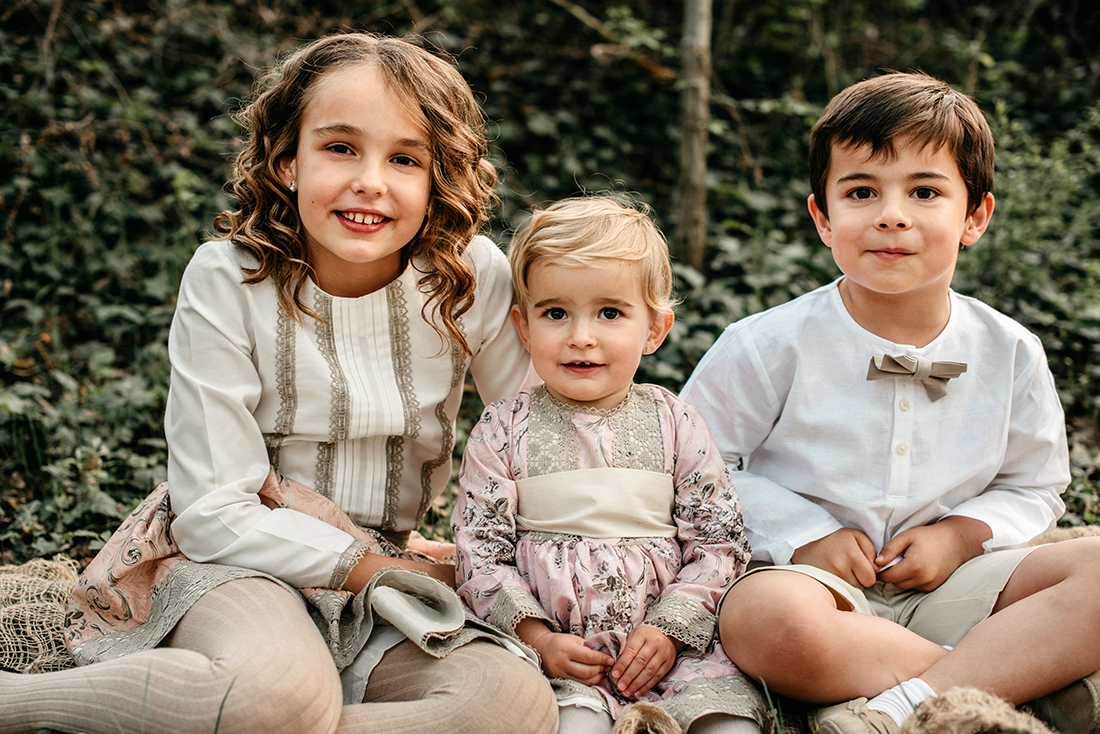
587,328
362,172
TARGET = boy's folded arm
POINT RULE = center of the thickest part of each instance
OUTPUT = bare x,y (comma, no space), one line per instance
782,520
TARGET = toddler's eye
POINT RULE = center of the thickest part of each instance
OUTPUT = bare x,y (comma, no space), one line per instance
610,313
555,314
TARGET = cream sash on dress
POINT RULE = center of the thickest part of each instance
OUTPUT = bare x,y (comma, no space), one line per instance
598,503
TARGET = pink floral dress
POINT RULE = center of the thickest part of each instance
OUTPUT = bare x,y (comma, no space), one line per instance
601,588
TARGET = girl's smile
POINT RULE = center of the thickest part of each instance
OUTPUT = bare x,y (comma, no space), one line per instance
362,174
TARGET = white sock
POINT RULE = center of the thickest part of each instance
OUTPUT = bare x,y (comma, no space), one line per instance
898,702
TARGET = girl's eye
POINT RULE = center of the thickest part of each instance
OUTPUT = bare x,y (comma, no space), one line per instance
925,193
610,313
340,148
861,193
555,314
406,160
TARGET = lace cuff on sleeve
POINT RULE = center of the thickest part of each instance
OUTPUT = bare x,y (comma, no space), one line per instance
513,605
347,561
683,619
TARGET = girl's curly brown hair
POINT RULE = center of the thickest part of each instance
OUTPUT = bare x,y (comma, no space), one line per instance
267,225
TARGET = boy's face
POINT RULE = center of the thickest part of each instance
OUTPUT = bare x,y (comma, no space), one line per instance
587,328
895,226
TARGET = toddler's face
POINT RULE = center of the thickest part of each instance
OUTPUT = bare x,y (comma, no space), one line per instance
587,328
895,225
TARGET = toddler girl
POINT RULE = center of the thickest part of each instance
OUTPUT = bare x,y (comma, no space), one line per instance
595,520
318,353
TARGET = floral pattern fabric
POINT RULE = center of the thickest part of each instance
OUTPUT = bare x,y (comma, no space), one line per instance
602,588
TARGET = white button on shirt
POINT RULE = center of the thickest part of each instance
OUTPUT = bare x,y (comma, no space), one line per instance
785,391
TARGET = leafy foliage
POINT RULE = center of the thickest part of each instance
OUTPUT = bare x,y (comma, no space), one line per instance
115,135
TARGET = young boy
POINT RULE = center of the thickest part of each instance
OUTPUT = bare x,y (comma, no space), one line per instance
896,445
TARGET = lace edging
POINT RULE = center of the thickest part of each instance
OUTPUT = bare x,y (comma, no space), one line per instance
513,605
684,619
348,559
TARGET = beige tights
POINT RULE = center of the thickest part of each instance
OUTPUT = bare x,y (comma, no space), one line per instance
251,644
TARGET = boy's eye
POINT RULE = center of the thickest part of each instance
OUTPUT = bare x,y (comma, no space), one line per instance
610,313
861,193
925,193
555,314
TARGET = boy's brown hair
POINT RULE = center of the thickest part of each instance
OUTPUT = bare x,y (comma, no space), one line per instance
922,110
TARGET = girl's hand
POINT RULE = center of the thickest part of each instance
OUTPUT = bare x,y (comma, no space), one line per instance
564,655
847,553
372,563
444,552
646,658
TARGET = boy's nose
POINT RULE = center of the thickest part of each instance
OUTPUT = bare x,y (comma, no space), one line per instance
892,217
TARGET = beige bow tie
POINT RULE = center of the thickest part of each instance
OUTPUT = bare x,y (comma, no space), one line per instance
933,375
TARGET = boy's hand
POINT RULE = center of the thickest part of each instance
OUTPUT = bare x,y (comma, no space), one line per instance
932,552
644,661
847,553
564,655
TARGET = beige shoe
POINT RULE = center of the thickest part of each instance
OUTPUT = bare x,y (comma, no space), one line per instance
1074,709
646,718
852,717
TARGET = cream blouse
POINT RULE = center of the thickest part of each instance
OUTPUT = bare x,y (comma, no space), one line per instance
361,407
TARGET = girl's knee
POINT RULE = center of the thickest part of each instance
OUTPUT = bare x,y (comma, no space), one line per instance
282,694
511,695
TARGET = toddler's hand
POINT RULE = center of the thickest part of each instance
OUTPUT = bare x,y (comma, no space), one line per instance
564,655
644,661
847,553
932,552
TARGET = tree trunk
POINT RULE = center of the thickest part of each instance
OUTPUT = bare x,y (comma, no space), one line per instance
692,221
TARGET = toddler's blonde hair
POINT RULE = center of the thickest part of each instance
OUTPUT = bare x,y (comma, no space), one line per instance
593,229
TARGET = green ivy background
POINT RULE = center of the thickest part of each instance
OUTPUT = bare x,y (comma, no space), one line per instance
115,133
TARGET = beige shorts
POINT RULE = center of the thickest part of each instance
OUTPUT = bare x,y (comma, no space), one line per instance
944,615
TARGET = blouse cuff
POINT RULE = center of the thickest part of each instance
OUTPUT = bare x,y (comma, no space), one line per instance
347,561
683,619
513,605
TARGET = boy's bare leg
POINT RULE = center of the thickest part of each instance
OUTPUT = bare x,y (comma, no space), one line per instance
785,628
1044,632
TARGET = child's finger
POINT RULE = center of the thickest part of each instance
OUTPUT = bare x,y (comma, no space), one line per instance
638,671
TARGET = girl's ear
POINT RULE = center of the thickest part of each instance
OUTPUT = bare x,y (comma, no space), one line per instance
522,327
824,229
659,326
288,170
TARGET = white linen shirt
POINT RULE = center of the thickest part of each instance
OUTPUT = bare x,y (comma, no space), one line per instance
361,408
785,392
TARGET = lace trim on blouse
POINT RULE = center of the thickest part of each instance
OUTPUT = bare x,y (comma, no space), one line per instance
684,619
628,435
347,561
286,384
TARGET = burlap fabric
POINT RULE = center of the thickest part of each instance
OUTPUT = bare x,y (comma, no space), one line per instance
33,599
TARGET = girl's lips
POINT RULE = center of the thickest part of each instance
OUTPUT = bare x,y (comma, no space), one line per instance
362,221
